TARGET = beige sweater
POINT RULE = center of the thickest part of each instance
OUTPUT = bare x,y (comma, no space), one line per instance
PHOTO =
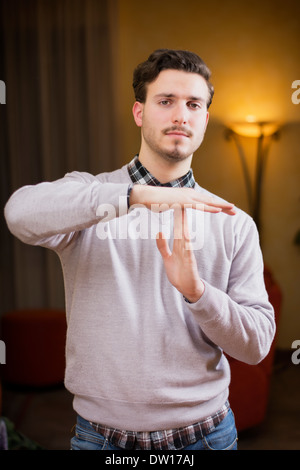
138,356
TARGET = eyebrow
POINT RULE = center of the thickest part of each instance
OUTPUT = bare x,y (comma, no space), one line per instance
171,95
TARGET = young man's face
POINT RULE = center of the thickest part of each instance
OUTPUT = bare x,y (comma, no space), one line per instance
174,117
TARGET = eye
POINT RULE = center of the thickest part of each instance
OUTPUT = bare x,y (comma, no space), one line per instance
165,102
193,105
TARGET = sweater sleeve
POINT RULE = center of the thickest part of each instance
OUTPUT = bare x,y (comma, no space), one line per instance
241,320
48,213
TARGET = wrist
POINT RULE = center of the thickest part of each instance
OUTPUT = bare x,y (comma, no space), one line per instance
196,295
136,194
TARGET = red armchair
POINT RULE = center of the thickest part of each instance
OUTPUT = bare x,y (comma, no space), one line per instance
35,347
249,388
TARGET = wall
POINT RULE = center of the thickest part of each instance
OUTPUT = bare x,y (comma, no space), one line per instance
253,51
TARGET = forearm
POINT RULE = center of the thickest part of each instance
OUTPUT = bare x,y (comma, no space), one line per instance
245,332
37,212
158,198
236,314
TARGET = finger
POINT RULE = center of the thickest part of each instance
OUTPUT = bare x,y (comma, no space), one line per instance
181,231
210,203
230,210
178,224
187,239
186,232
162,245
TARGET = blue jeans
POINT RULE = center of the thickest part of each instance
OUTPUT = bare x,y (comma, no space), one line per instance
224,437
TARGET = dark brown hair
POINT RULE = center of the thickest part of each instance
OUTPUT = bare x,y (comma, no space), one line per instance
164,59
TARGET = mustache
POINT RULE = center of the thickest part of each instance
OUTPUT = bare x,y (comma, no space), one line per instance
178,129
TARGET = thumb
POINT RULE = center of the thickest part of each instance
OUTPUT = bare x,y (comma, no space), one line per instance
162,245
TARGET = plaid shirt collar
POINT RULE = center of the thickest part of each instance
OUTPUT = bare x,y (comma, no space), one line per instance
139,174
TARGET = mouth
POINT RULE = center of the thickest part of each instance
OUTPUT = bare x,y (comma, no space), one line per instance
177,132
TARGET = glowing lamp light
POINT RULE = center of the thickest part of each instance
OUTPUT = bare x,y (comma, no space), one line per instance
251,127
264,132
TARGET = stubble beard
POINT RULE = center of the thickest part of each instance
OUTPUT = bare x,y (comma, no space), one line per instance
174,155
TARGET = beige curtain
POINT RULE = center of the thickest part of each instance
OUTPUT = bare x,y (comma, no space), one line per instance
55,59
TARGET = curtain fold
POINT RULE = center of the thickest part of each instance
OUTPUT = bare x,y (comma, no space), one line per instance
55,59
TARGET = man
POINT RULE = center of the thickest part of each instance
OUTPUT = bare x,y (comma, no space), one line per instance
151,302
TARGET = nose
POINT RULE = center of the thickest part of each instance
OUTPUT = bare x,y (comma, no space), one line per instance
179,114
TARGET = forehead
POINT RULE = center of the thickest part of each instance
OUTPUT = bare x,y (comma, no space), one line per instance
179,83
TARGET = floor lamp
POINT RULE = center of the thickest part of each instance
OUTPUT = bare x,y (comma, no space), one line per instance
264,133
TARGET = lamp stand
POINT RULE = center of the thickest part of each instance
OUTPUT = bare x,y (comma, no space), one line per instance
254,192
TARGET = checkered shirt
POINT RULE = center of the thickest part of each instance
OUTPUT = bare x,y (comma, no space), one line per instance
171,439
139,174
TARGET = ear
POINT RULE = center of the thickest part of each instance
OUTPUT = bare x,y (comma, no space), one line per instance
207,118
137,111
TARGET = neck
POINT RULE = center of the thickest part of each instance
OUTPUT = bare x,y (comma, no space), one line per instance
164,170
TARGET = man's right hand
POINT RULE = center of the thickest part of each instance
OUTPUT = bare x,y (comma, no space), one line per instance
160,198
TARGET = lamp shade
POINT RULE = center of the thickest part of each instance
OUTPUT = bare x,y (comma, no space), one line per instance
249,128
